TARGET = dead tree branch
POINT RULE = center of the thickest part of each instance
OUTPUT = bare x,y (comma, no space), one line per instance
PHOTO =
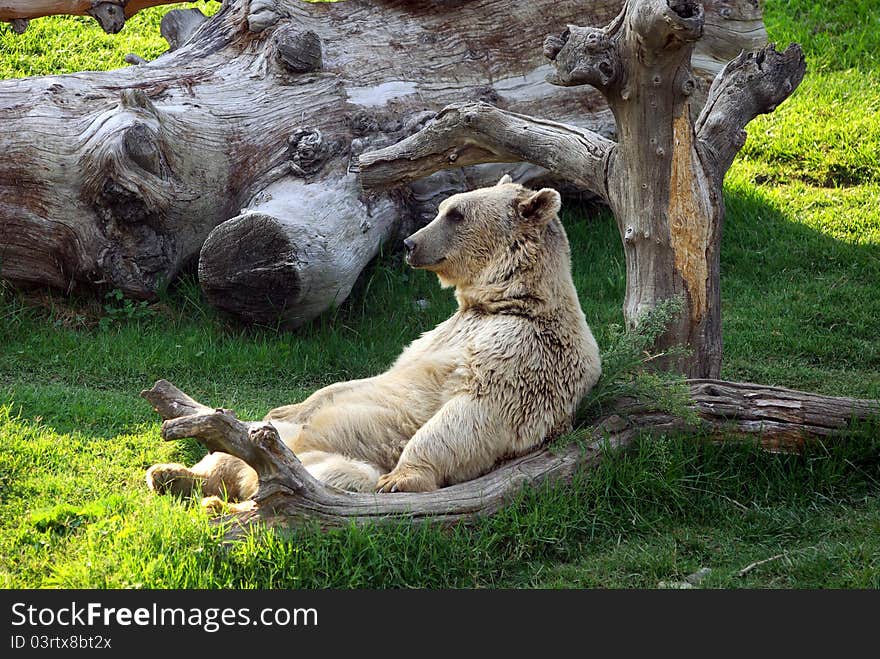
777,418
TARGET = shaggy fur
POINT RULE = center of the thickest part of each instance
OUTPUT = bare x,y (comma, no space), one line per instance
495,380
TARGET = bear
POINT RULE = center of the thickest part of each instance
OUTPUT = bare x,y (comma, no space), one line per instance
501,376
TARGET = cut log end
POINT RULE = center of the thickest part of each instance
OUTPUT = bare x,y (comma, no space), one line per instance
170,402
249,267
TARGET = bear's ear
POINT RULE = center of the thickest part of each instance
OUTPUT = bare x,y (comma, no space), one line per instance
541,207
504,180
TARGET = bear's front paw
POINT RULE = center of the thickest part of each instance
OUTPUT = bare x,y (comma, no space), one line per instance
407,479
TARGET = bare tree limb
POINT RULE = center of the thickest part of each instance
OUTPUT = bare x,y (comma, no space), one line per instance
778,418
470,133
754,83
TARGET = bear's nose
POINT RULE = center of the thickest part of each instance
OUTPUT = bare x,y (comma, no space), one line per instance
409,245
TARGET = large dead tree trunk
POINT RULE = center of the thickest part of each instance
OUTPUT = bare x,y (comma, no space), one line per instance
780,419
662,176
235,147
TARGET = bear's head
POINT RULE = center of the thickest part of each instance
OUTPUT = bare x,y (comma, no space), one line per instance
484,234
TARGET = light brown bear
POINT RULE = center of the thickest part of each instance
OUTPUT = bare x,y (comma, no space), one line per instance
498,378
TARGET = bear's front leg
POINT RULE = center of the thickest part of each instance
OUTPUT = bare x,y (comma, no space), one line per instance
463,440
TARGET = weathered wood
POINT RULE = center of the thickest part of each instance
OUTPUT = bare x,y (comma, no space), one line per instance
470,133
110,14
779,419
117,179
178,26
298,248
662,177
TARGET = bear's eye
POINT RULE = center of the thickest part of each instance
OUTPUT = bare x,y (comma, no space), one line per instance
454,215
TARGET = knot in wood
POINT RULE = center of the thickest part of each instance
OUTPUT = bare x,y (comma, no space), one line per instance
307,149
583,55
142,145
299,51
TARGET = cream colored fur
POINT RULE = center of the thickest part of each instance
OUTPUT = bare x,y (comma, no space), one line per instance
503,374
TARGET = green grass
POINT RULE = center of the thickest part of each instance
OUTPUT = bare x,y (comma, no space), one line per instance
801,299
68,44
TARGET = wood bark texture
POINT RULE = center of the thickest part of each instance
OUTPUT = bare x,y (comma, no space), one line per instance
662,173
779,419
249,126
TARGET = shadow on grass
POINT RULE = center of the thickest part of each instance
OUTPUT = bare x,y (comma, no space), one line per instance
799,307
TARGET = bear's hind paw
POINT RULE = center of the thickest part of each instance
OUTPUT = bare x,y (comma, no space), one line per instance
407,479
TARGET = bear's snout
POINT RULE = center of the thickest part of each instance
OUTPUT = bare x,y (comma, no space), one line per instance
410,246
426,247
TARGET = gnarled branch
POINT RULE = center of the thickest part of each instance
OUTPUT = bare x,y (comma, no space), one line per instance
470,133
752,84
778,418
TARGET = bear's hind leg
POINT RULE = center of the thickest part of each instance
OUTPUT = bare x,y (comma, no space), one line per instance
217,474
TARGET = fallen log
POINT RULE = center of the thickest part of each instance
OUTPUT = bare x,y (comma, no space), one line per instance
778,419
117,179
